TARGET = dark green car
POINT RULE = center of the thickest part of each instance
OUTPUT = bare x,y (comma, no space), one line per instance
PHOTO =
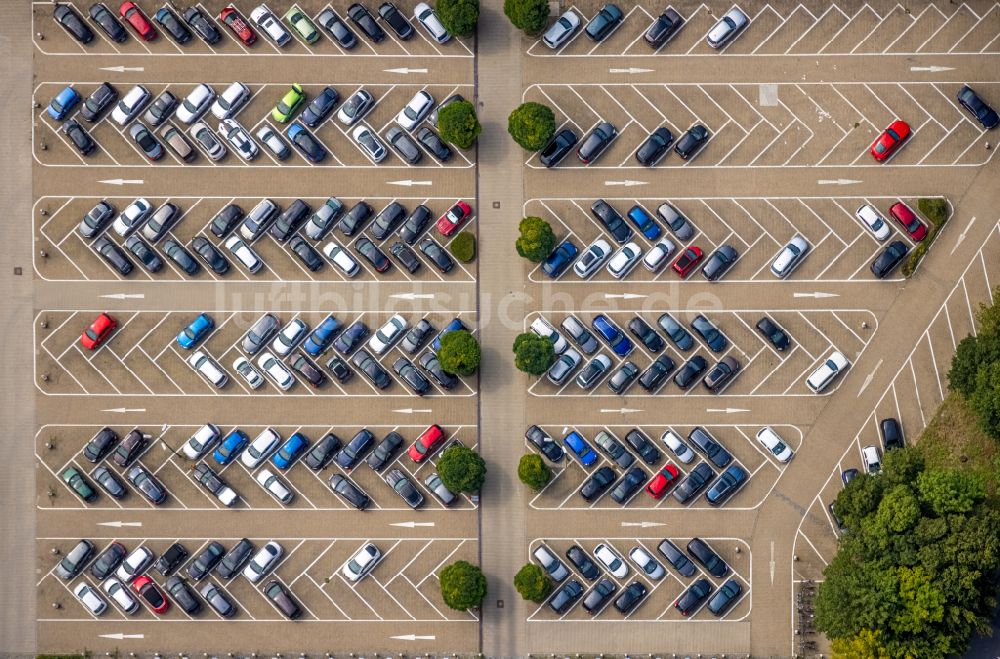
80,485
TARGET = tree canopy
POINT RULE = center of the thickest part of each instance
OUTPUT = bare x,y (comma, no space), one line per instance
532,353
537,240
463,585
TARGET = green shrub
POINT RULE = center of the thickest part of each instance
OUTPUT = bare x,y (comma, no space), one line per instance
527,15
463,585
937,211
458,16
533,471
537,239
461,469
458,124
459,353
463,247
533,354
532,583
532,125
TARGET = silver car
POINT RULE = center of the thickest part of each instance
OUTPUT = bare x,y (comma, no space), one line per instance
580,334
270,138
790,257
562,29
592,258
564,366
730,25
203,135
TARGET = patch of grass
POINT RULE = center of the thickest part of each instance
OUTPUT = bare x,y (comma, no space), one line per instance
938,212
954,440
463,247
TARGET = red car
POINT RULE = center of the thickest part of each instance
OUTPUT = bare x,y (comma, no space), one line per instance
448,223
687,261
150,592
909,220
137,20
890,139
238,25
98,331
663,481
424,444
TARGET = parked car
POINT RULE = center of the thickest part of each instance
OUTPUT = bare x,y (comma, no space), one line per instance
773,444
873,221
719,263
687,261
727,28
558,148
596,142
575,442
337,29
691,142
723,373
655,148
365,22
726,485
889,140
828,371
906,218
71,21
676,558
560,259
593,372
391,15
545,444
776,336
693,597
405,488
361,563
604,22
889,259
691,485
349,492
664,28
713,450
978,108
561,31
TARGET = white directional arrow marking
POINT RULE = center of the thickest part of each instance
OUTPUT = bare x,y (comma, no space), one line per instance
405,71
125,296
837,181
628,183
122,69
123,410
818,294
410,410
868,380
621,410
119,636
123,181
726,410
771,564
408,183
119,524
413,296
624,296
961,236
932,69
644,525
413,637
410,525
630,70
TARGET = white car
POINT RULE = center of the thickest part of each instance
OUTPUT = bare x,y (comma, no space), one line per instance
239,139
201,441
771,441
275,486
260,448
419,107
341,258
658,255
386,336
544,329
872,459
355,107
119,593
289,337
626,258
207,140
592,258
677,446
134,564
276,370
90,599
872,220
244,254
253,377
370,143
209,369
130,105
132,217
550,563
263,561
646,563
270,25
361,563
562,29
195,104
611,560
828,371
270,138
231,100
431,22
790,257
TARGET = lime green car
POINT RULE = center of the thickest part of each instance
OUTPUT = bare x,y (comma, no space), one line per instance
289,104
302,24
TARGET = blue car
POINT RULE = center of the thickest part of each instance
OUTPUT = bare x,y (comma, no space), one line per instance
612,335
455,324
321,337
638,216
230,447
560,259
311,148
195,332
581,449
295,446
63,104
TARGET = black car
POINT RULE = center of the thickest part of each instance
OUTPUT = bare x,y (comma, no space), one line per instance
301,365
692,484
180,256
306,253
430,363
182,595
889,258
415,224
541,439
161,108
404,145
413,378
366,22
978,108
322,452
385,451
352,453
113,254
338,30
595,600
719,263
595,143
310,147
405,488
101,15
721,374
892,434
776,336
433,143
657,373
716,340
622,379
579,558
598,483
320,106
339,368
726,485
130,448
100,445
612,221
372,254
604,22
171,559
235,558
631,598
290,220
656,146
437,255
80,138
147,484
202,25
646,334
172,25
705,555
109,482
210,254
71,21
693,597
725,597
708,445
108,561
282,599
676,558
144,253
663,28
691,141
351,337
558,148
396,20
226,220
349,492
643,446
631,483
387,220
100,100
355,218
566,596
96,219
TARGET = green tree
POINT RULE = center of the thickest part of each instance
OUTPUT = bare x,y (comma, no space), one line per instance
537,240
460,353
459,17
458,124
527,15
532,583
988,315
533,354
865,645
461,469
899,510
463,585
985,399
463,247
533,471
971,353
949,492
531,125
